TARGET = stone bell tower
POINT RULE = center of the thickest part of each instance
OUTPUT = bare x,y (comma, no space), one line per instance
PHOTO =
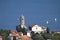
22,21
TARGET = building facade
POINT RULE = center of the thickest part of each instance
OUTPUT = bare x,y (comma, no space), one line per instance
37,29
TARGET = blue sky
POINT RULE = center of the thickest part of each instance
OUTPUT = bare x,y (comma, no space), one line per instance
35,11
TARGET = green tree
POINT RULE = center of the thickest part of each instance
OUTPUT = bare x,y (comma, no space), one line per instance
24,30
37,37
48,30
19,29
56,36
4,34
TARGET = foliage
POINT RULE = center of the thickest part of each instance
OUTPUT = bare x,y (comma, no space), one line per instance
47,36
19,29
4,34
24,30
48,30
36,36
56,36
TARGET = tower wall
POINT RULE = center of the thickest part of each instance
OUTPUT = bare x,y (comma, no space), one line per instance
22,21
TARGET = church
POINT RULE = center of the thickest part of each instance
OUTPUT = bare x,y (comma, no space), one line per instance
21,24
34,27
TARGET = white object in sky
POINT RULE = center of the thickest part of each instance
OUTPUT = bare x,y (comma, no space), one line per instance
55,19
47,22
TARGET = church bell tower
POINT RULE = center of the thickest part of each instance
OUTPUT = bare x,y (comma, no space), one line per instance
22,21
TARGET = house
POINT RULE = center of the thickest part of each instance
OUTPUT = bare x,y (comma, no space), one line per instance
14,35
37,29
57,31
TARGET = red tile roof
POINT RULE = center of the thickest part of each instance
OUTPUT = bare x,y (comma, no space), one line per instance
0,36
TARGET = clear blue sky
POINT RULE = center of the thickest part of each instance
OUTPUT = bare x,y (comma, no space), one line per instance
35,11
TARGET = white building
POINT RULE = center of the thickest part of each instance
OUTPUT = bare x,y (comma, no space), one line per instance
29,33
37,29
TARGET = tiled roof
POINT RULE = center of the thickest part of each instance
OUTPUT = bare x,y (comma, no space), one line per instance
13,31
31,25
0,36
25,37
